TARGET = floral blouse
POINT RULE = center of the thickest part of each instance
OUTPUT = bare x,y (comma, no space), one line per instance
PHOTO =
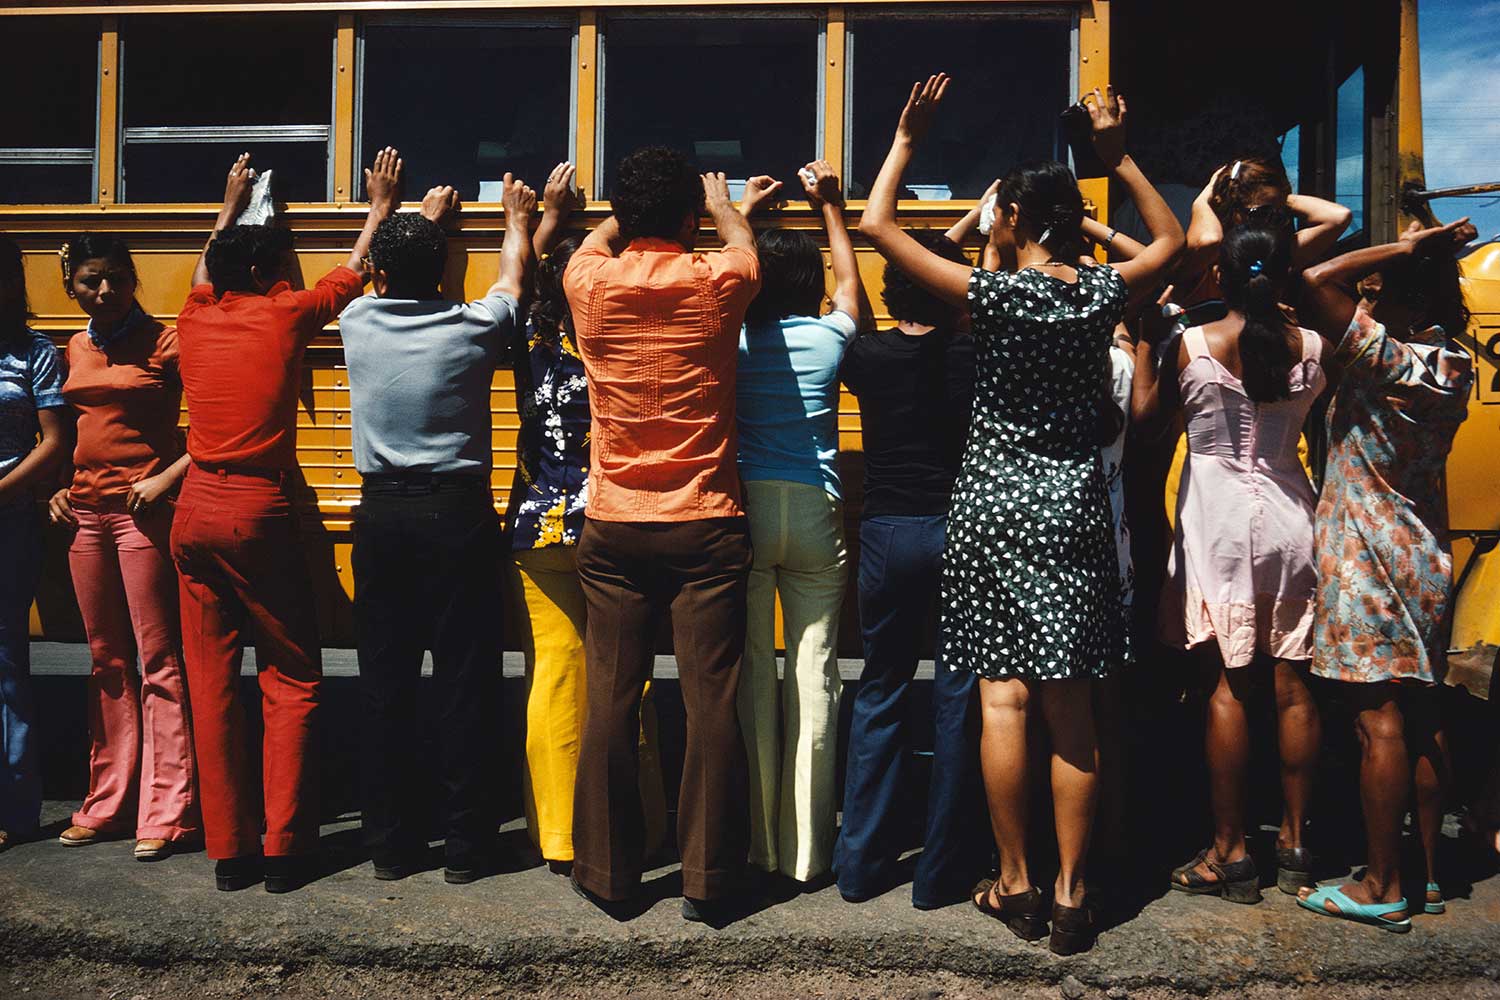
552,472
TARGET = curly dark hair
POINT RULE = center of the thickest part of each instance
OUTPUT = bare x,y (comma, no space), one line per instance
237,249
550,316
791,277
412,250
906,300
655,189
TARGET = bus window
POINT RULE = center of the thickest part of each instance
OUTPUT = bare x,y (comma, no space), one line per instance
742,96
1291,156
1012,77
195,92
507,85
49,70
1349,171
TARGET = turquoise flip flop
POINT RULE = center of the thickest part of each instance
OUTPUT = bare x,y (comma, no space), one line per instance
1360,913
1433,889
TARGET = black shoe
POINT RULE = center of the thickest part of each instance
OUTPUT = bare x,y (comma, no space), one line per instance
287,873
619,909
713,912
563,868
233,874
395,865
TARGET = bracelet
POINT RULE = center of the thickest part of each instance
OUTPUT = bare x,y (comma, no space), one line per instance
1110,238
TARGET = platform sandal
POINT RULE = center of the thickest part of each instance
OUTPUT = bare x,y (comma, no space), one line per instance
1360,913
1294,869
1073,929
1021,911
1434,903
1237,881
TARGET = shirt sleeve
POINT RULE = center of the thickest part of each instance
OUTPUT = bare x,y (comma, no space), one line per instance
845,325
988,291
46,374
851,370
1368,351
584,264
735,272
501,311
199,297
321,303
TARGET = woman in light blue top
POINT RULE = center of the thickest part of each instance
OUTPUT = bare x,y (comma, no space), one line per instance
787,400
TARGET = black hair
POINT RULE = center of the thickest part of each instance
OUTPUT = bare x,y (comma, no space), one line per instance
550,316
655,189
791,276
13,308
1051,205
1429,286
1253,264
1244,178
412,250
85,247
905,299
237,249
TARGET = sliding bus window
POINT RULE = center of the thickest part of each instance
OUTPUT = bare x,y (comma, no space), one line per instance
1012,77
49,72
1349,168
740,95
197,91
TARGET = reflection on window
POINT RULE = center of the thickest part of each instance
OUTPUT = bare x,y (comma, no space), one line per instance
1010,83
1291,156
739,96
198,91
505,93
1349,171
49,72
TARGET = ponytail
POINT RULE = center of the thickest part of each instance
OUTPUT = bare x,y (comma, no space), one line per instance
1051,207
550,316
1253,265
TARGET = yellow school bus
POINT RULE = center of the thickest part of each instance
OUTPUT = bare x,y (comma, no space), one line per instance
124,115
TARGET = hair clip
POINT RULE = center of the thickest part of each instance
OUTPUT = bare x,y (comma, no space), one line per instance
62,259
1234,171
1256,267
1046,235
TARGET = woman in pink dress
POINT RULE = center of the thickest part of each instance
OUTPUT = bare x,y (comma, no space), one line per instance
1241,577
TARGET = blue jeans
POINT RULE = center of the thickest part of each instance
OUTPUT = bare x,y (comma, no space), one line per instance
20,776
901,560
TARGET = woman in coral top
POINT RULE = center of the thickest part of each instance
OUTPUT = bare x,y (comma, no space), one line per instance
129,460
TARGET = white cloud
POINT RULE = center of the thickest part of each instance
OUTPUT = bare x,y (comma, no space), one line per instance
1461,112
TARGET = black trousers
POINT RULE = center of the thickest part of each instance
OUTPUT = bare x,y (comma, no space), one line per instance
427,565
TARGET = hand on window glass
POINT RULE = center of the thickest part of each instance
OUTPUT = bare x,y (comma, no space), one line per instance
441,205
559,195
921,108
759,190
1107,111
715,193
516,197
239,185
821,184
383,180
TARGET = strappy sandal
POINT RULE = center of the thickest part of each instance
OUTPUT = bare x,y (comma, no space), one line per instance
1021,911
1073,930
1434,903
1237,881
1360,913
1294,869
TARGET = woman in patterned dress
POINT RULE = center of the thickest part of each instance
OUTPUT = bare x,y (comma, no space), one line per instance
1031,585
1385,570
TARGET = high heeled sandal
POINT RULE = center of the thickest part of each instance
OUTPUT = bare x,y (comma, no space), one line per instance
1073,929
1294,869
1237,881
1020,911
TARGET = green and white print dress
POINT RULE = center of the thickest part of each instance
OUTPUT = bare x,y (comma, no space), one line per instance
1031,576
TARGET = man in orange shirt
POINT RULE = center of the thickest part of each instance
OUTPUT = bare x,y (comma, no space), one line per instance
658,327
241,340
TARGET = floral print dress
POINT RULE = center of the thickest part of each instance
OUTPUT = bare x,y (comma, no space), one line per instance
1385,571
552,473
1031,571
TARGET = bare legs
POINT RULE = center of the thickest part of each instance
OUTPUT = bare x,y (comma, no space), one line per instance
1067,712
1428,746
1299,733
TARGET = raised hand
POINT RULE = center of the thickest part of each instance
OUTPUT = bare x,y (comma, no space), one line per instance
921,108
441,204
759,190
559,194
821,184
1434,240
1157,323
383,180
1107,113
715,192
238,186
516,197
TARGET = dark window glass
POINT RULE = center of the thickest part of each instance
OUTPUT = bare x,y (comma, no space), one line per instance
46,183
504,101
49,72
737,95
1010,83
1349,171
195,171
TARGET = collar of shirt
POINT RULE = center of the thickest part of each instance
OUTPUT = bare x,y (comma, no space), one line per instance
654,244
132,320
269,293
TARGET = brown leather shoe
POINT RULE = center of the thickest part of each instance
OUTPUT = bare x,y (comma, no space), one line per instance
152,849
79,836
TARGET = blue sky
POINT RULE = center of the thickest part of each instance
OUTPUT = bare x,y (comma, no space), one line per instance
1461,103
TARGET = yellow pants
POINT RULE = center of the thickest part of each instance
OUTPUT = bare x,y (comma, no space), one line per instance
791,726
552,618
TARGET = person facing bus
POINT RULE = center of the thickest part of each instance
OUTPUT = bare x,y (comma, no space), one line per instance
241,339
915,387
33,439
1241,577
128,461
1031,585
787,399
1384,565
427,540
658,325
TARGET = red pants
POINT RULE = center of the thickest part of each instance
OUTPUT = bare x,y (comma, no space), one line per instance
243,578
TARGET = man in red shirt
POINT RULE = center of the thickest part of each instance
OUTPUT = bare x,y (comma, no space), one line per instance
242,336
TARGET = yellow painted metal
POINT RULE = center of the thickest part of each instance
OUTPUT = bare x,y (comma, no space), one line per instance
108,156
834,75
586,140
1093,71
345,187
